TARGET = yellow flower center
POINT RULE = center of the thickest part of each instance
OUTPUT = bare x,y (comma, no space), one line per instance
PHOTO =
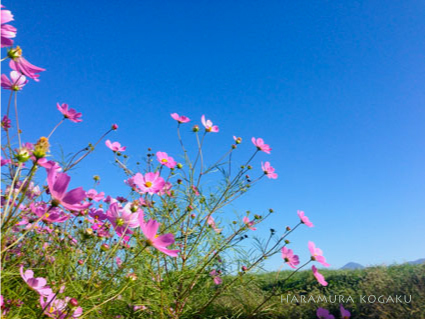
148,184
164,160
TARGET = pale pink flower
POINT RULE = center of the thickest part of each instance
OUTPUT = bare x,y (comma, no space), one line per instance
319,276
59,308
195,190
289,257
58,184
211,222
115,146
94,195
324,314
161,242
38,284
261,146
180,118
268,170
68,113
149,183
17,81
304,219
7,31
123,218
166,160
317,254
209,127
249,223
216,277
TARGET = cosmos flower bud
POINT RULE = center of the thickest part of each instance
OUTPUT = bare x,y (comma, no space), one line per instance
288,228
73,302
114,127
271,210
81,262
244,268
193,216
179,165
96,178
23,155
287,241
14,53
234,146
195,128
41,148
105,247
257,216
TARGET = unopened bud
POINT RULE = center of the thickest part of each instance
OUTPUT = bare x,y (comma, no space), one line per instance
195,128
114,127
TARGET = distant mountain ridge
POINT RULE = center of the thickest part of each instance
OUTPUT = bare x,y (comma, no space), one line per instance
353,265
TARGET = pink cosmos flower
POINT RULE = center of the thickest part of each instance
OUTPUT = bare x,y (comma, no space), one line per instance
17,81
216,277
38,284
69,113
6,123
259,143
115,146
345,314
20,64
49,165
149,183
97,214
161,242
58,184
324,314
94,195
319,276
8,32
268,170
211,222
317,254
58,308
289,257
209,127
52,215
123,218
304,219
166,160
180,118
249,223
5,161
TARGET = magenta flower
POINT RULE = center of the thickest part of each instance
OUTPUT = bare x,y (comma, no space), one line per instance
345,314
38,284
114,127
123,218
20,64
317,254
324,314
8,32
150,183
58,184
216,277
97,214
268,170
319,276
304,219
4,161
115,146
17,81
180,118
166,160
248,223
69,113
94,195
289,257
211,223
259,143
161,242
209,127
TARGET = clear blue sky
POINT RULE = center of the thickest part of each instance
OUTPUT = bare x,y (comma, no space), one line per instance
336,88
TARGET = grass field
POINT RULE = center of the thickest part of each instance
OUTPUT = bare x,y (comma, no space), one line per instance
363,286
